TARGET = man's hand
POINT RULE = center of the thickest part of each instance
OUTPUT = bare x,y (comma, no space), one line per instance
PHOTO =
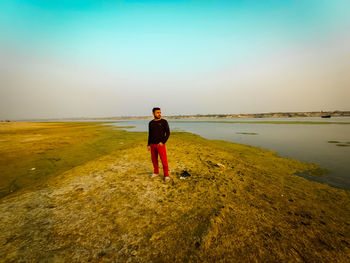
148,147
161,144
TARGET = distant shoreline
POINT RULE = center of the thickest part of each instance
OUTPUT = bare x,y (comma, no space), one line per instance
336,113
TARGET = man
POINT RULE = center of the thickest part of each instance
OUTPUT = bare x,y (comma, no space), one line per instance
158,134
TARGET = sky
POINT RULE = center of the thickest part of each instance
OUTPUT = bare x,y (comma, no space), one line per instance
94,58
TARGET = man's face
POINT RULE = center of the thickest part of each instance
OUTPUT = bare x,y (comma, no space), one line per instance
157,114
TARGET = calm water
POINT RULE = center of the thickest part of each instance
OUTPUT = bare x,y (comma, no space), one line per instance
305,142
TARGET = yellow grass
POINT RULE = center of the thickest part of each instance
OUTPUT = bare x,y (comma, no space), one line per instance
240,204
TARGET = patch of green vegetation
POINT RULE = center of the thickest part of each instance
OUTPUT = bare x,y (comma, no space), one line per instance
317,171
247,133
338,143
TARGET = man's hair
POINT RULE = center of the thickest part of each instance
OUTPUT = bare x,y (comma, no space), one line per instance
154,109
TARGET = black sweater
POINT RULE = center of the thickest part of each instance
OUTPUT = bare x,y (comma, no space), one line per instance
158,131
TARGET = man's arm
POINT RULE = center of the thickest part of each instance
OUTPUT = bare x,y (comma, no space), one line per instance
149,134
167,131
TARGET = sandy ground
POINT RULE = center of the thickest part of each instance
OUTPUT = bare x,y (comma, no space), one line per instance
240,204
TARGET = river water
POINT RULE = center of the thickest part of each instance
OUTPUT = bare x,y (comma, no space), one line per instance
325,144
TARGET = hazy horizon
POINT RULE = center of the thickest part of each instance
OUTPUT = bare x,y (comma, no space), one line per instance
69,59
168,115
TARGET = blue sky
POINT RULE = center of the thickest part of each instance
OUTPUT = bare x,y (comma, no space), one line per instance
124,57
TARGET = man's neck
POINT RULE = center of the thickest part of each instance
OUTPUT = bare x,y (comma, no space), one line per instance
157,119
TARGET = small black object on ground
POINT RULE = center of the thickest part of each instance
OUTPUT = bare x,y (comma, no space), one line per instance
184,175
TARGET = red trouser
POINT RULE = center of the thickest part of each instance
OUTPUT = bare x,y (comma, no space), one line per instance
155,149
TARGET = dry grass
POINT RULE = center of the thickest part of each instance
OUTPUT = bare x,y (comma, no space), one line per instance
241,204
